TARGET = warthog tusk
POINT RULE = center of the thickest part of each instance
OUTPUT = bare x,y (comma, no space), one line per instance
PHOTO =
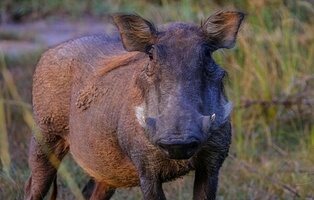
213,117
207,122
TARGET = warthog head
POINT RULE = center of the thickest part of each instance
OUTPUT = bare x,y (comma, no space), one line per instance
182,85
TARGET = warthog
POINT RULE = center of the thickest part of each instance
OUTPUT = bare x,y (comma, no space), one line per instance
140,108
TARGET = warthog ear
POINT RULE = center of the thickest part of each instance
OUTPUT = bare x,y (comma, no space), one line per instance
137,33
222,28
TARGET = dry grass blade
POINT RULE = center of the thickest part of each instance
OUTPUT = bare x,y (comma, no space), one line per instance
4,143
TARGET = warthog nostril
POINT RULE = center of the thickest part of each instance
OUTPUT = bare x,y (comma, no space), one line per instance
179,150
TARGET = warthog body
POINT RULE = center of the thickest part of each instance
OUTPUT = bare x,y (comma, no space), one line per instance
137,109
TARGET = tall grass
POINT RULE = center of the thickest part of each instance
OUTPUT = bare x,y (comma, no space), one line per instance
270,80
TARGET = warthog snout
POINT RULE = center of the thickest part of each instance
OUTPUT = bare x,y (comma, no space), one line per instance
185,137
179,149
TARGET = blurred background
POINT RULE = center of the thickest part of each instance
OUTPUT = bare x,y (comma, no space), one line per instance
270,80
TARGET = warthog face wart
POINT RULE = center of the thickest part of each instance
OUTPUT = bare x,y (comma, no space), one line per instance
182,85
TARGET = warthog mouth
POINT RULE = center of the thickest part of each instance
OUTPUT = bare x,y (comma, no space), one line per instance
179,149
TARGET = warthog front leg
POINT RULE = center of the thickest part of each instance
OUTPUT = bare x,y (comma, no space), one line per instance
97,191
206,175
152,189
205,186
208,163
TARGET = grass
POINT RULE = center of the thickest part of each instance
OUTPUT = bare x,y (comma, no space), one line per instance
270,81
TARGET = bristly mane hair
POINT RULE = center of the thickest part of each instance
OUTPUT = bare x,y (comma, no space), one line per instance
114,62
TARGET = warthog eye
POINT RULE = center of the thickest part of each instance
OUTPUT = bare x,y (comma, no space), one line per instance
210,69
214,73
207,51
150,52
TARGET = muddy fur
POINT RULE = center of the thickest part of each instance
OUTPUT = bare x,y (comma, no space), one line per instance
85,92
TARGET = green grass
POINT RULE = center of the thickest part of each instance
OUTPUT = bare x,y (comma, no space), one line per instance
270,81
